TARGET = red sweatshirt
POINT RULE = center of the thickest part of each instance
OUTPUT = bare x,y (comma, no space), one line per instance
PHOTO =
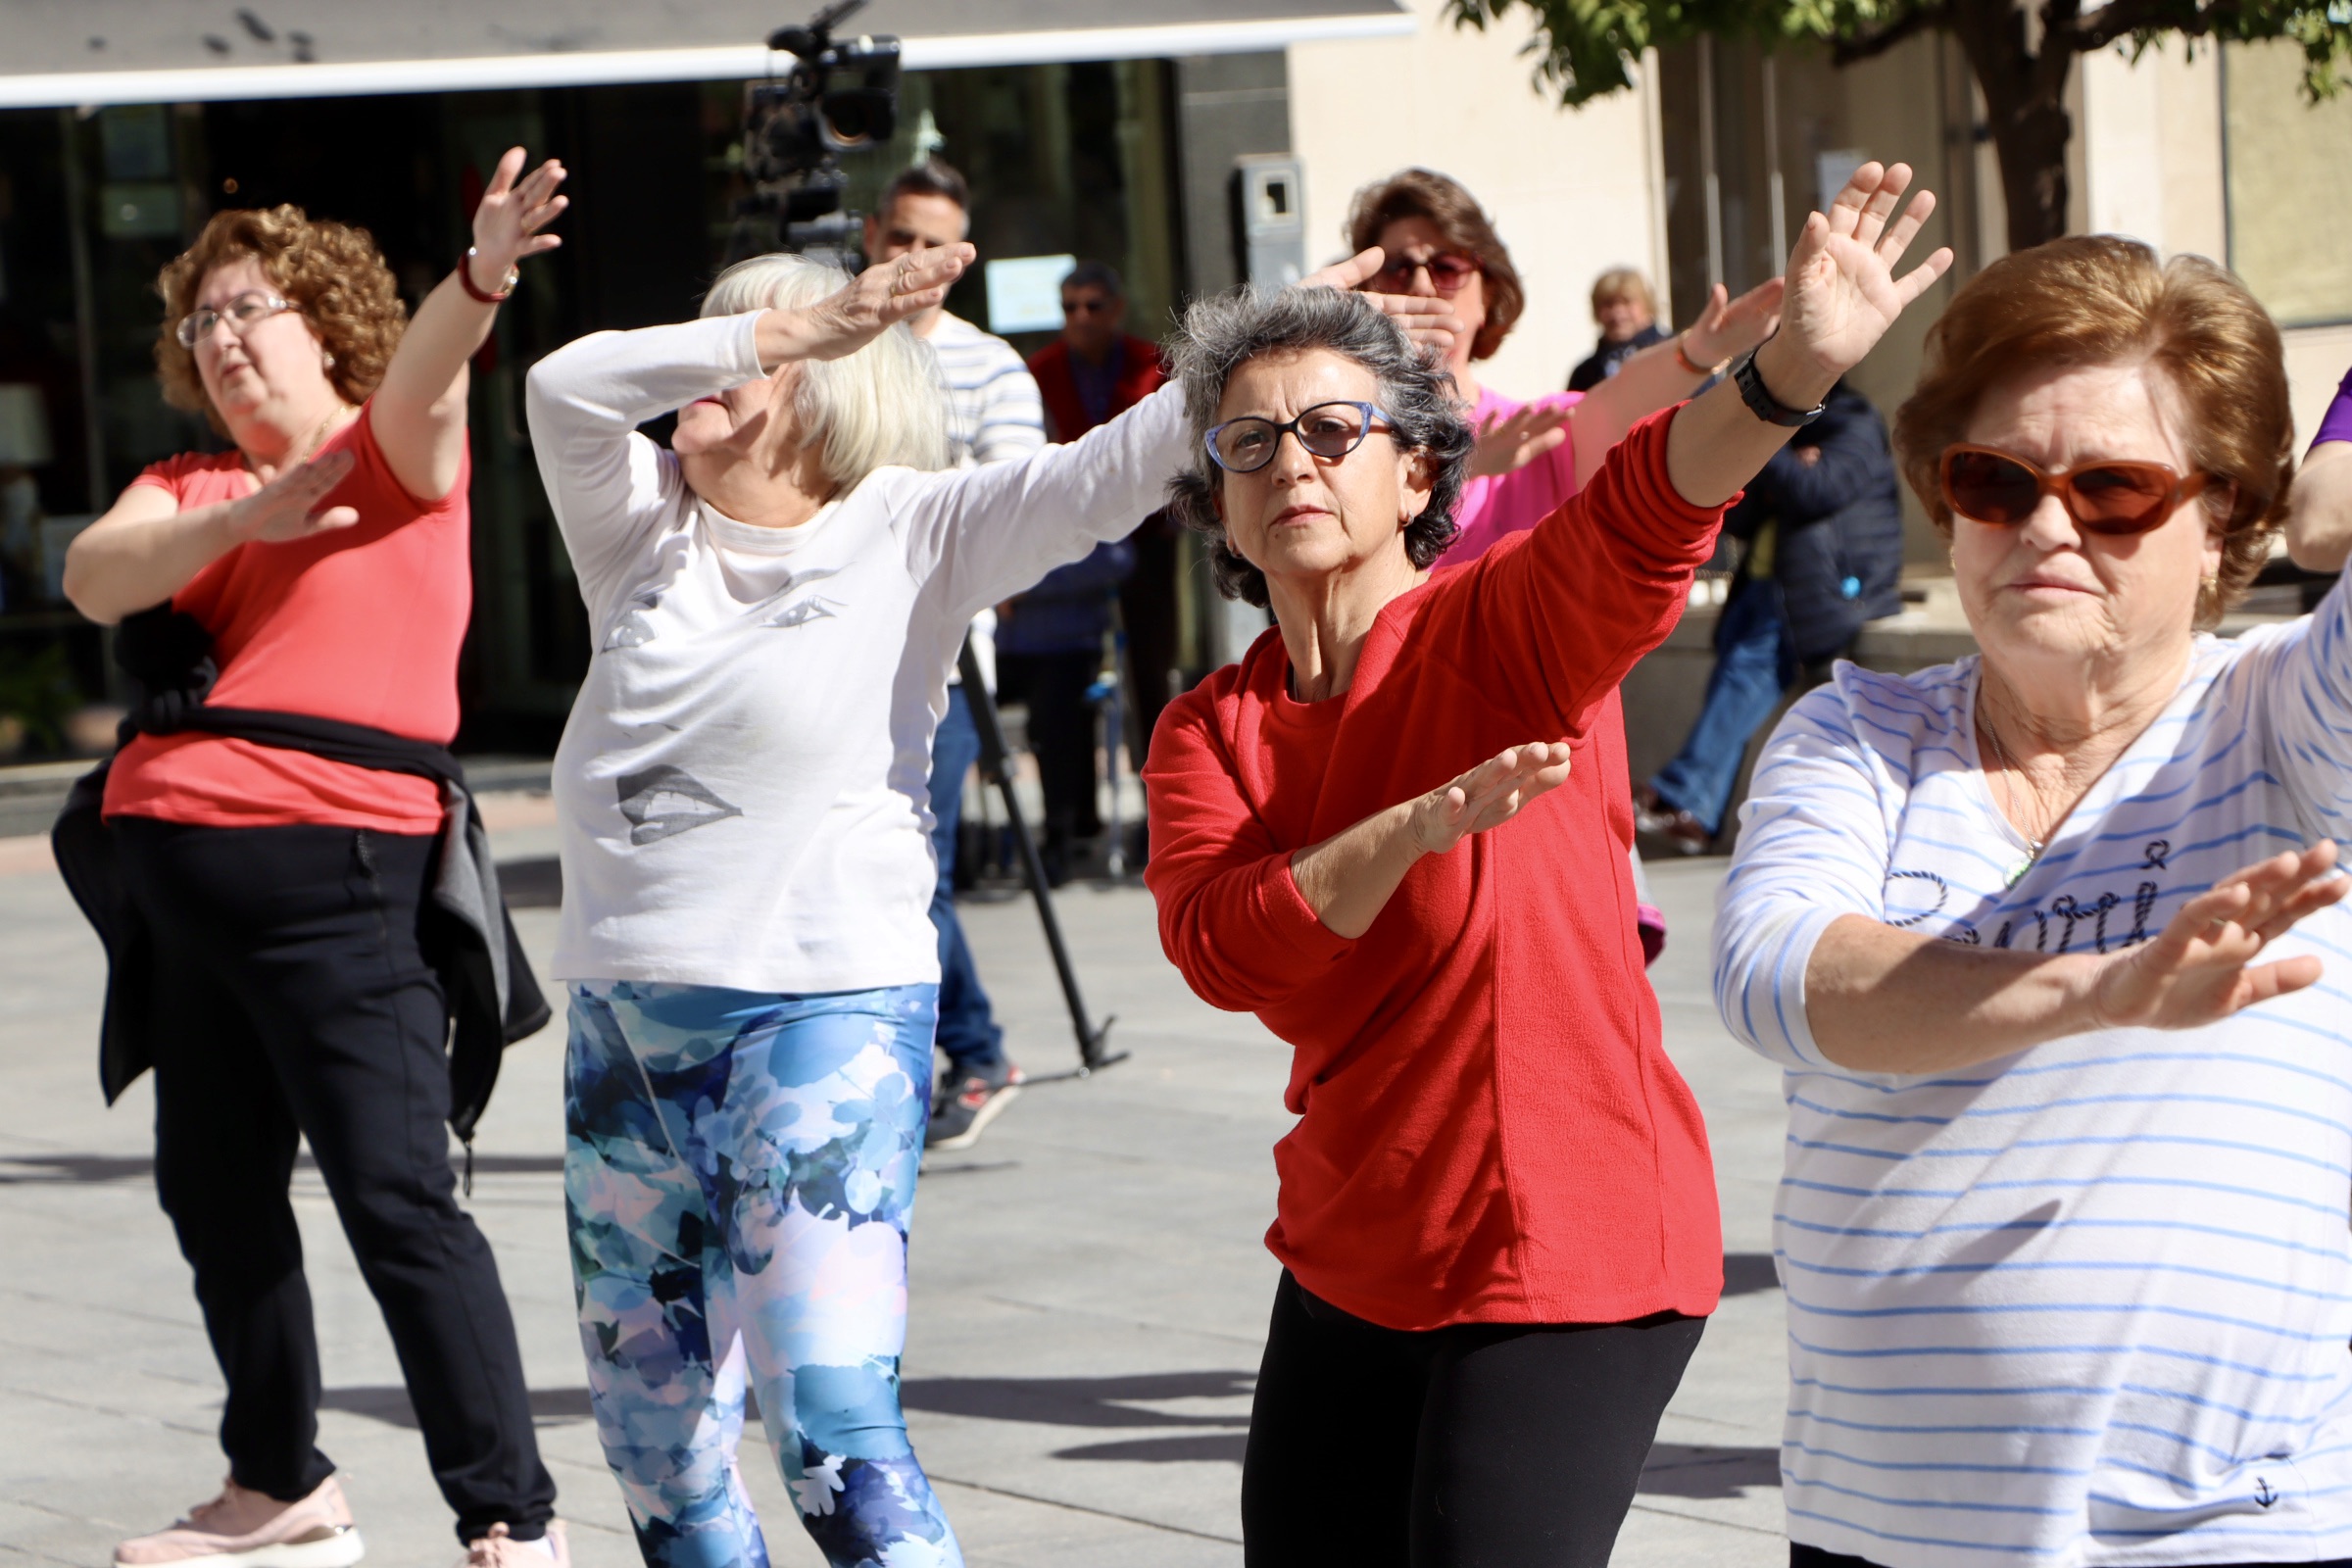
1490,1130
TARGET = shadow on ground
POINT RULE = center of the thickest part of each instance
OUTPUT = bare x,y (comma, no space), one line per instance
1674,1469
18,1170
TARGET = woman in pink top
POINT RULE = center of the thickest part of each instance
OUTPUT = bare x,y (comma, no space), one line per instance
1532,457
323,557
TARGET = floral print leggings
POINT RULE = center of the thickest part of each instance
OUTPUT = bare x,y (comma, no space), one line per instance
738,1179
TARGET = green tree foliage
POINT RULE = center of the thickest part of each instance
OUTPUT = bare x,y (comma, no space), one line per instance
1586,48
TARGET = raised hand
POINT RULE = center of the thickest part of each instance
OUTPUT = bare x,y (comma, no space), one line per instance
1427,319
877,299
1510,442
1487,796
2196,972
287,508
507,223
1729,328
1842,292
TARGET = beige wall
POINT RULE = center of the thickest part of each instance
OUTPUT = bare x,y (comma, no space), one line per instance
1572,191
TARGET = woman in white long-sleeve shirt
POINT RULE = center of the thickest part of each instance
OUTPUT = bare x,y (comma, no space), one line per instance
746,927
2063,1224
747,873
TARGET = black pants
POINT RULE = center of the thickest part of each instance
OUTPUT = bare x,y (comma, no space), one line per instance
1815,1557
1494,1445
296,1004
1062,732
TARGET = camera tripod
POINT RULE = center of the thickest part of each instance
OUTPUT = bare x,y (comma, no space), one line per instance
997,768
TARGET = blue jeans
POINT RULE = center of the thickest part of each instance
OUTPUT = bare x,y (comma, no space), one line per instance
967,1031
1754,664
738,1178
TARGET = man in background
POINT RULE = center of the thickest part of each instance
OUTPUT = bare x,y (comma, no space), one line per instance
992,413
1627,313
1093,372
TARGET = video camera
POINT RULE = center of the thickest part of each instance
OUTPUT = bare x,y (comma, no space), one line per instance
837,98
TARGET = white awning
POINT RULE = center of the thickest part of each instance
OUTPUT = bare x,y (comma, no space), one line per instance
94,52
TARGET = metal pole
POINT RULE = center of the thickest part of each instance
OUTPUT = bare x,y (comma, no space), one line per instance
997,769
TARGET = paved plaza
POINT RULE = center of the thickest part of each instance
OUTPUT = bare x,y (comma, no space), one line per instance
1088,1286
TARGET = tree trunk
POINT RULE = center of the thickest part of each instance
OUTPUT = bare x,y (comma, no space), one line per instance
2031,142
2025,101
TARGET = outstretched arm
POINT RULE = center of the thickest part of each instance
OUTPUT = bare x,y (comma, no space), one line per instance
419,410
2319,520
1348,878
1842,295
1880,1000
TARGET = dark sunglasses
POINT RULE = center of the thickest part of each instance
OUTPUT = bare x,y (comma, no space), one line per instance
2109,498
1328,430
1447,274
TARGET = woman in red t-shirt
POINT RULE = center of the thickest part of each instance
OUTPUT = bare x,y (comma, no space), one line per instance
327,556
1497,1216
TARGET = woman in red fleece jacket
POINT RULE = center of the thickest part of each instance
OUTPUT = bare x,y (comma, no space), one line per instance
1384,832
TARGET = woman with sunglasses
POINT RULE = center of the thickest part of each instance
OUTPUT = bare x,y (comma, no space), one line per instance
2039,940
1496,1217
325,554
1436,240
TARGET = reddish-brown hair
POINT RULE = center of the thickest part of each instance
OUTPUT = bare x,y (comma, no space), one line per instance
2103,300
1461,224
331,273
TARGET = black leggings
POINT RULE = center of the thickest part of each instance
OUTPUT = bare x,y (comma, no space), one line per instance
1495,1444
294,1003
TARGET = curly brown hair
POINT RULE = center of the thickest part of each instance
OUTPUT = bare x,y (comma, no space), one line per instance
2099,300
329,272
1462,223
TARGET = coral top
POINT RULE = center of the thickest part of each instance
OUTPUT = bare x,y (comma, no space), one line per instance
1489,1129
363,626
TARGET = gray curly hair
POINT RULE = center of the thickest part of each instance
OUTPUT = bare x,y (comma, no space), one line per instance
1218,336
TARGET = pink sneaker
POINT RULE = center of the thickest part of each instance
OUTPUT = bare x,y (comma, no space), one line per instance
497,1550
241,1529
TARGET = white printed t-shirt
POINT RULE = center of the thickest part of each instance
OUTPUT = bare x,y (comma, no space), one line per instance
741,784
2088,1303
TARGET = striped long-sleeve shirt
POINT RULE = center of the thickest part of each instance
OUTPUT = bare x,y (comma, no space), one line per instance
2088,1303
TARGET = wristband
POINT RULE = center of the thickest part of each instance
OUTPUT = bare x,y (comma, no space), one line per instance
1761,401
466,279
1692,365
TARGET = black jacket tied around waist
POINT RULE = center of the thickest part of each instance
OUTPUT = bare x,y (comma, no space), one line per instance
469,936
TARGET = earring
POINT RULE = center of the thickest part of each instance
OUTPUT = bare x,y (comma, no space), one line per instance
2209,585
331,361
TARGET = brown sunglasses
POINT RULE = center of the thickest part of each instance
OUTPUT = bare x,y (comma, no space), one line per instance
1448,273
2110,498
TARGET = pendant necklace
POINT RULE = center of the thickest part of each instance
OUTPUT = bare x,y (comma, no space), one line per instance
2000,753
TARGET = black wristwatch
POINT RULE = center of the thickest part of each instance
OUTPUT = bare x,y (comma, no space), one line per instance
1761,401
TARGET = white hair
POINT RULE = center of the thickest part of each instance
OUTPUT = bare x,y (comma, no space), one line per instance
883,406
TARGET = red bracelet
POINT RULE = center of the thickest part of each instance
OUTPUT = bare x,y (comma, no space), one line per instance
513,277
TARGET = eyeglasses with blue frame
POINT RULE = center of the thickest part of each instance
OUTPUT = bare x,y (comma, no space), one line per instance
1328,430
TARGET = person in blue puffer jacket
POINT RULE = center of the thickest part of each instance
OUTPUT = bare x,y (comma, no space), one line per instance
1824,529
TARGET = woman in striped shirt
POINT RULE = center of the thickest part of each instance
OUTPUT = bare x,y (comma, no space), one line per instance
2048,942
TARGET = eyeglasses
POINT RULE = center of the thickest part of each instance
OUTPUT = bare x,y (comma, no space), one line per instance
2106,498
1085,305
1328,430
240,314
1447,274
